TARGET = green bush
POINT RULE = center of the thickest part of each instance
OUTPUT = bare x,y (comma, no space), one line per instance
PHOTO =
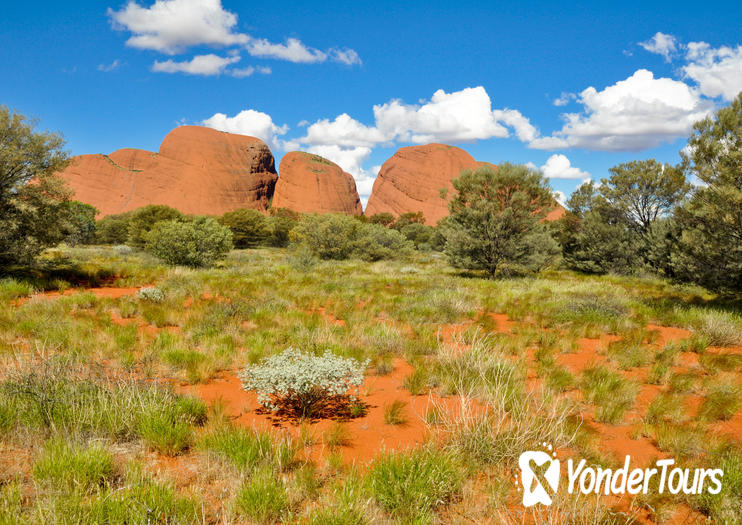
329,236
113,229
374,243
337,236
249,227
143,220
80,227
280,223
196,243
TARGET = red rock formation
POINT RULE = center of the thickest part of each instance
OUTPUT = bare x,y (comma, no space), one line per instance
413,178
309,183
198,170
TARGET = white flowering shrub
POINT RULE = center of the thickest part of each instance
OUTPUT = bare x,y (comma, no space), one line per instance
305,385
152,294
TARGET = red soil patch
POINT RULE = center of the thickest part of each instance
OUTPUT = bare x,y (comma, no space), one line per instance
587,354
669,334
109,292
369,434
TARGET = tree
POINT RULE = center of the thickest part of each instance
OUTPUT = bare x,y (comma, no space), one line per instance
143,219
81,227
596,236
644,191
495,222
710,248
411,217
31,195
249,227
195,243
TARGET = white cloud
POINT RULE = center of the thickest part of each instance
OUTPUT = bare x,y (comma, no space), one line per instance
293,51
345,56
249,71
107,68
718,72
636,113
513,118
564,99
171,26
249,122
459,116
343,131
558,166
205,65
661,44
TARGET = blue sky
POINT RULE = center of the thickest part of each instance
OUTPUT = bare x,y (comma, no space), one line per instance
571,89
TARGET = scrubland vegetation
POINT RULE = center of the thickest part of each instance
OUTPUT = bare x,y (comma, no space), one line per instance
143,377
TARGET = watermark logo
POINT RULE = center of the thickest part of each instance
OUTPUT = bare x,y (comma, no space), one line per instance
540,473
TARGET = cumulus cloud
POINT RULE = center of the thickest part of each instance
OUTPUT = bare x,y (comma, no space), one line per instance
718,72
107,68
459,116
661,44
205,65
249,122
558,166
343,131
171,26
637,113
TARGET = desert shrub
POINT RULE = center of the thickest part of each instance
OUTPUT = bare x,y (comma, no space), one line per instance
304,385
412,485
142,220
196,243
418,234
73,467
338,236
329,236
151,294
384,218
374,242
280,223
113,229
249,227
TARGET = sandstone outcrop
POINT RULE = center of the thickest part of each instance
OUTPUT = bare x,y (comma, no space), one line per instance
418,178
197,170
309,183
